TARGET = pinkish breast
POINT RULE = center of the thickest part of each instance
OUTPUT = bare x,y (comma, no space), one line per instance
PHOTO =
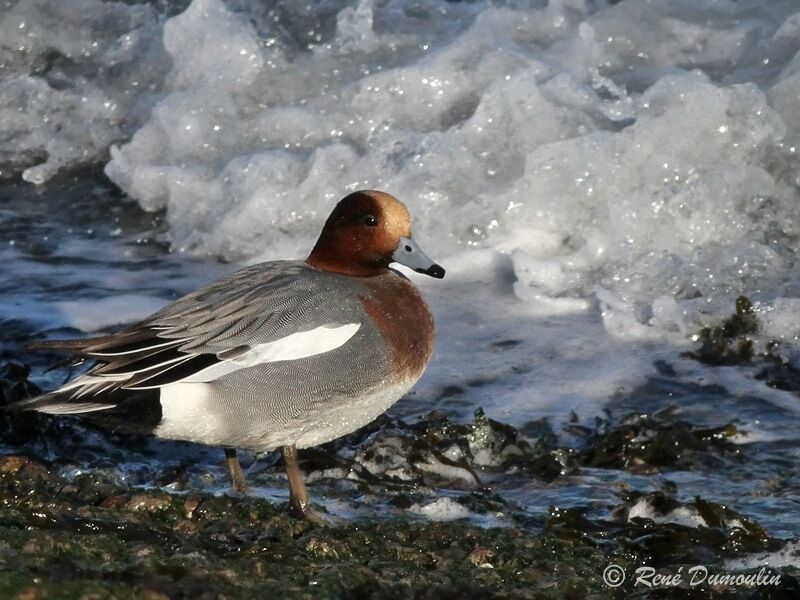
405,322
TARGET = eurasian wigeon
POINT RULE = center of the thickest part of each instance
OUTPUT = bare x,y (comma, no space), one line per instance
287,354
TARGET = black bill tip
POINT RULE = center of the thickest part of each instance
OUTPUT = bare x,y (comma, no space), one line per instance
434,271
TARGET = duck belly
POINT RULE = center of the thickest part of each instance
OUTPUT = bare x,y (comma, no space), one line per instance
206,414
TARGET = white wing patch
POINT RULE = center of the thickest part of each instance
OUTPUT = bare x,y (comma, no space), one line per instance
293,347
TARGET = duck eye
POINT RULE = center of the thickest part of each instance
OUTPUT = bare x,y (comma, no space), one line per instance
369,220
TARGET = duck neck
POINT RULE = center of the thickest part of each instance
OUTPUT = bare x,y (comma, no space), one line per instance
344,265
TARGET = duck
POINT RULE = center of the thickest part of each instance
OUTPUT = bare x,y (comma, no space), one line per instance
284,354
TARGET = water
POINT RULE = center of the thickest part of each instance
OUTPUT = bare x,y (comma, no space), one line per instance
77,257
599,179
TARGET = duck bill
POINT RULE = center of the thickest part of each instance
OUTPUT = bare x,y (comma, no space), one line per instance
412,256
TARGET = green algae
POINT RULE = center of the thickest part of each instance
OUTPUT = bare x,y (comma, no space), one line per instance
70,538
89,534
134,544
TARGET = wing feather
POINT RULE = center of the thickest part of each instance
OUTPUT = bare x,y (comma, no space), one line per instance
229,321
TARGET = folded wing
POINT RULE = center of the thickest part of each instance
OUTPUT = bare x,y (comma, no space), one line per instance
265,313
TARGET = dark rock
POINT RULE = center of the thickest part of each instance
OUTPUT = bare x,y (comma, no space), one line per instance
14,383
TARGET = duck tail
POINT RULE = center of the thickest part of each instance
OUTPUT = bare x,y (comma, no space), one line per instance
137,412
74,346
57,403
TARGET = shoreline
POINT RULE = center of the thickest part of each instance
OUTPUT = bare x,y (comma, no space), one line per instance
68,531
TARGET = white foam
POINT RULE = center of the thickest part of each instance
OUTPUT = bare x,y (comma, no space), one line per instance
442,509
788,556
682,515
77,76
94,315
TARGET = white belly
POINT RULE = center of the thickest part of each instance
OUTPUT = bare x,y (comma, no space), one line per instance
195,412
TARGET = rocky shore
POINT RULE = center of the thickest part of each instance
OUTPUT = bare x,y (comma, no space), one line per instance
442,524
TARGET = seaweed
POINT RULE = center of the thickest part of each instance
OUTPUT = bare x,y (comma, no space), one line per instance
643,443
90,533
729,342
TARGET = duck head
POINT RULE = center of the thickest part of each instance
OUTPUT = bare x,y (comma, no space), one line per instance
366,232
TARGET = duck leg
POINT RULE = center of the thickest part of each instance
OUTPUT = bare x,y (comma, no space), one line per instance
298,495
238,482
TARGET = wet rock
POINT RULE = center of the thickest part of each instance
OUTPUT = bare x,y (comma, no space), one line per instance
14,383
38,434
148,503
190,506
723,531
732,343
12,464
111,539
245,544
643,443
438,451
659,530
115,502
119,547
482,557
21,466
321,548
778,372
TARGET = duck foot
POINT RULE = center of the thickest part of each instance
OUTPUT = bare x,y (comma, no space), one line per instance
238,481
313,516
298,506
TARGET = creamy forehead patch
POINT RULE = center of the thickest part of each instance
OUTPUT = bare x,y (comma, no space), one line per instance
396,217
